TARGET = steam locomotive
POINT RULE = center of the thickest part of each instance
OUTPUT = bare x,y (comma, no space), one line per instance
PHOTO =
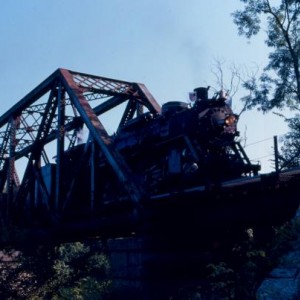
193,173
183,147
189,145
173,169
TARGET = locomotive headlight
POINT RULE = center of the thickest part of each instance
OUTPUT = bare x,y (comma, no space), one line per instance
230,120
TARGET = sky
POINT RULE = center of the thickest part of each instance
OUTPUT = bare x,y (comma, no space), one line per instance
170,46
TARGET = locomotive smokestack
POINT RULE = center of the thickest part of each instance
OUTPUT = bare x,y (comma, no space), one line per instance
201,93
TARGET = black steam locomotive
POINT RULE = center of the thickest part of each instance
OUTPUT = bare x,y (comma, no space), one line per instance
193,173
185,146
180,158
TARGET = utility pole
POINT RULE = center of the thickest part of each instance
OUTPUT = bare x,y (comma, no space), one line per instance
276,154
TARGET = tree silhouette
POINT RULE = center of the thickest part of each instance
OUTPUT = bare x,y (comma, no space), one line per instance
279,84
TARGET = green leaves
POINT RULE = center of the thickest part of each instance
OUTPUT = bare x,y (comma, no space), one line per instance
71,251
279,84
68,271
248,23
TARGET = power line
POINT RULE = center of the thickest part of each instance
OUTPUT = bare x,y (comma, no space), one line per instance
264,140
254,143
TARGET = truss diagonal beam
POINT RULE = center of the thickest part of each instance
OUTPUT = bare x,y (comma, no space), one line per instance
128,114
147,99
30,98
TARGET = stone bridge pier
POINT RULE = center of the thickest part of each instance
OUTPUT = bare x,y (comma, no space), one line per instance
154,268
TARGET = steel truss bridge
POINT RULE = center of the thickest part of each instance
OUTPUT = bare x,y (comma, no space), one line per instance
43,126
55,110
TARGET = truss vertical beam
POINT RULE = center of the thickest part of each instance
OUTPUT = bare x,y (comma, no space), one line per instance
3,147
3,174
60,146
92,176
12,146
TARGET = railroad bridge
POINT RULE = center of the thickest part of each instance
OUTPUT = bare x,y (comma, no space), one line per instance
63,173
157,175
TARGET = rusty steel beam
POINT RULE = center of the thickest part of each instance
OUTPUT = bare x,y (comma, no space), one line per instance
148,100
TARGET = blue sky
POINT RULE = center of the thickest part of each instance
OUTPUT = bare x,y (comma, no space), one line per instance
170,46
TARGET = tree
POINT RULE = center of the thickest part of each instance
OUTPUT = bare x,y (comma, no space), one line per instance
72,270
290,151
279,84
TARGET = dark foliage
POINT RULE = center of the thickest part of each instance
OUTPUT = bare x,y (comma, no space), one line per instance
279,85
67,271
